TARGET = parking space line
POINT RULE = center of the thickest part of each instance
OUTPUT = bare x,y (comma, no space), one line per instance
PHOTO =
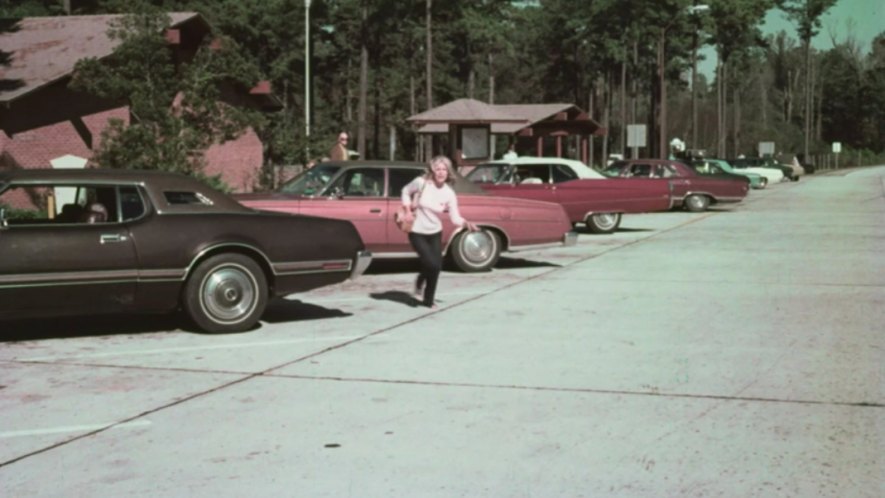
184,349
72,428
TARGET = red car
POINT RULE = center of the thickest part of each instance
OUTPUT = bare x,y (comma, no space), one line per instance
367,193
586,195
690,189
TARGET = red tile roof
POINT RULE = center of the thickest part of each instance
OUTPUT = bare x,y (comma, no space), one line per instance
45,49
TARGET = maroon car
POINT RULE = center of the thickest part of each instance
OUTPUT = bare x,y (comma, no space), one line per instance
93,241
692,190
586,195
367,193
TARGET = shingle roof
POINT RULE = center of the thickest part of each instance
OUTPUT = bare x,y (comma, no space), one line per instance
466,111
511,117
44,49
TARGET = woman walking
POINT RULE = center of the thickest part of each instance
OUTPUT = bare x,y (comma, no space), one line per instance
428,196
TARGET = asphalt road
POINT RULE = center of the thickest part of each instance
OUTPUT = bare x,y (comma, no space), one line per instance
732,353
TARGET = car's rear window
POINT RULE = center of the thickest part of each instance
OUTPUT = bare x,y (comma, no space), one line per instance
178,198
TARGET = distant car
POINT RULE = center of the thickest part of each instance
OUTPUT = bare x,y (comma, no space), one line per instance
765,167
368,194
587,196
94,241
720,167
692,190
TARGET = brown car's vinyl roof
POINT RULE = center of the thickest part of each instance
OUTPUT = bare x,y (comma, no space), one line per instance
156,181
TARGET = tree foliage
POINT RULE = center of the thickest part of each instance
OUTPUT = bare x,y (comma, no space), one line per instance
585,52
178,108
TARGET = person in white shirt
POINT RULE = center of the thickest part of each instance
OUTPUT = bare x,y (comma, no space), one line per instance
511,152
428,196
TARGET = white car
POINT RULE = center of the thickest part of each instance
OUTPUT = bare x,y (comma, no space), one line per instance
551,170
774,175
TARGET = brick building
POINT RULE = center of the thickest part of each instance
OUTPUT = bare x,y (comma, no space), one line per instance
43,120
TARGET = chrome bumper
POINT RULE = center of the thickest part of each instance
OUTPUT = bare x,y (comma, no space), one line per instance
570,238
363,258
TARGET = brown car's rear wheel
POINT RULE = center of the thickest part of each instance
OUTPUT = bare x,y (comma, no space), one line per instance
226,293
476,251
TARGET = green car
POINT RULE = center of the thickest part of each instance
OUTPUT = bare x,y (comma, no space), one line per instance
721,167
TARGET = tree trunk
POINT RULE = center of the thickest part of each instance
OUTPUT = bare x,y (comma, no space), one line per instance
623,102
736,121
428,151
808,88
491,60
413,109
348,99
608,83
471,78
364,84
763,96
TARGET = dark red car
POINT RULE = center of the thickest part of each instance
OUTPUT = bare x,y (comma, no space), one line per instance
587,196
690,189
367,193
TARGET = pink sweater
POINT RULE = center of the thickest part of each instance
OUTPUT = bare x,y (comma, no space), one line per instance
433,202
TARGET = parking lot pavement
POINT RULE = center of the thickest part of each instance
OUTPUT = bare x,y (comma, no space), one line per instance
729,353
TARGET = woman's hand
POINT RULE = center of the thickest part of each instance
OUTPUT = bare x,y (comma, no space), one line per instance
471,226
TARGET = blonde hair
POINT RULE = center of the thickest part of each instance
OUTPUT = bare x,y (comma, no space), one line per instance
450,177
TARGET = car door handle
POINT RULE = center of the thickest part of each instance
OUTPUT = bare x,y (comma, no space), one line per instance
107,238
375,210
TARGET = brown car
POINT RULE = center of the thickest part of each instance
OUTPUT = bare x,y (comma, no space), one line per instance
95,241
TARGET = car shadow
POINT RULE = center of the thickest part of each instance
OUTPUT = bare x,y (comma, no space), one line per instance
285,310
32,329
400,297
513,263
631,230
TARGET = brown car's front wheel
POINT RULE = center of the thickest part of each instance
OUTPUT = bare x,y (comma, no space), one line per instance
226,293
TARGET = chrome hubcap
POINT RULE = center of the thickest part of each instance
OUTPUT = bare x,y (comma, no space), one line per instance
477,247
605,221
229,294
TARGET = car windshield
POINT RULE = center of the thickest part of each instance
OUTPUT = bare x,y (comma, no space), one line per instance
312,181
491,173
614,169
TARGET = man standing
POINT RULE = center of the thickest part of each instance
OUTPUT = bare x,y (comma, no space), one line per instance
339,150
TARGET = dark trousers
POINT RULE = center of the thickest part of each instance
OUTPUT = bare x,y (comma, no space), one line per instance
429,251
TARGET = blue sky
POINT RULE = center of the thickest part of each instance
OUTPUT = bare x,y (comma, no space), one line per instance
860,19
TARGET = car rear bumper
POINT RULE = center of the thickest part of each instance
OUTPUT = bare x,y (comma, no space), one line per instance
363,259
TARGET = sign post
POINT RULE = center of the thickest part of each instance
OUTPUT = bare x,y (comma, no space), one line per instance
766,149
636,134
837,148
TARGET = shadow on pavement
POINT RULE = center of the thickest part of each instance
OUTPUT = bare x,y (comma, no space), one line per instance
511,263
278,311
284,310
620,229
95,325
397,297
